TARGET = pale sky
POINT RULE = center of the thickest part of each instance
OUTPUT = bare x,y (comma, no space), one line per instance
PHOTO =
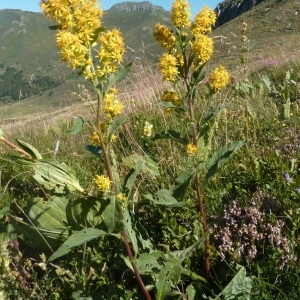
33,5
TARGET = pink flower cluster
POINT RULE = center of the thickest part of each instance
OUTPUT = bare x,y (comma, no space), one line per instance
248,233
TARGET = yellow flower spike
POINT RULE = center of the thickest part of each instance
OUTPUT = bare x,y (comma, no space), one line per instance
103,183
202,50
191,149
181,13
112,106
111,51
203,21
168,66
148,129
78,20
218,79
164,36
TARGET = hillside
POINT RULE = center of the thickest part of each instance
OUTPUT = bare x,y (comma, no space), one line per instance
28,44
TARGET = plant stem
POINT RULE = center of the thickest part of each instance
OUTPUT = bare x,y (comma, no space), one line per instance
111,179
12,145
199,195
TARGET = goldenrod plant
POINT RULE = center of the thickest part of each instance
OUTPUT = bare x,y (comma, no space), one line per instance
188,48
97,54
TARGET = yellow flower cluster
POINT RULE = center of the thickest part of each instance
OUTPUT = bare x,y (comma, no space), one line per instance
78,20
168,66
203,21
191,149
148,129
103,183
111,52
202,49
199,44
95,139
122,197
181,14
112,106
218,79
164,36
169,96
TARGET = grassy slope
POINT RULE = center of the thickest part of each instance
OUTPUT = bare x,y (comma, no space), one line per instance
273,29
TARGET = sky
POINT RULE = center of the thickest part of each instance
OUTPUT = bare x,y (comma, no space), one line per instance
33,5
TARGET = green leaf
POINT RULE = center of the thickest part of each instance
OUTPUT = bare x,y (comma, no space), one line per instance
85,212
220,156
179,188
112,128
147,263
1,133
54,176
77,126
190,292
48,214
164,198
77,239
171,134
36,236
239,286
29,149
112,215
131,176
130,232
168,277
162,285
149,166
118,75
186,253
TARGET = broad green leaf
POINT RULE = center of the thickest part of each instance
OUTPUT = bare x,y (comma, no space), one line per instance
1,133
220,156
162,285
130,232
186,253
171,134
85,212
131,176
147,263
164,198
190,292
168,277
112,215
29,149
77,126
36,236
48,214
149,166
179,188
239,286
118,75
77,239
112,128
54,176
205,140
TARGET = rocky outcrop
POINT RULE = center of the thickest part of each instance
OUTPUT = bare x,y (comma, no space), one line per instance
230,9
136,6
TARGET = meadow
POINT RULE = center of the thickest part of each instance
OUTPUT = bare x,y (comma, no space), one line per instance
184,184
